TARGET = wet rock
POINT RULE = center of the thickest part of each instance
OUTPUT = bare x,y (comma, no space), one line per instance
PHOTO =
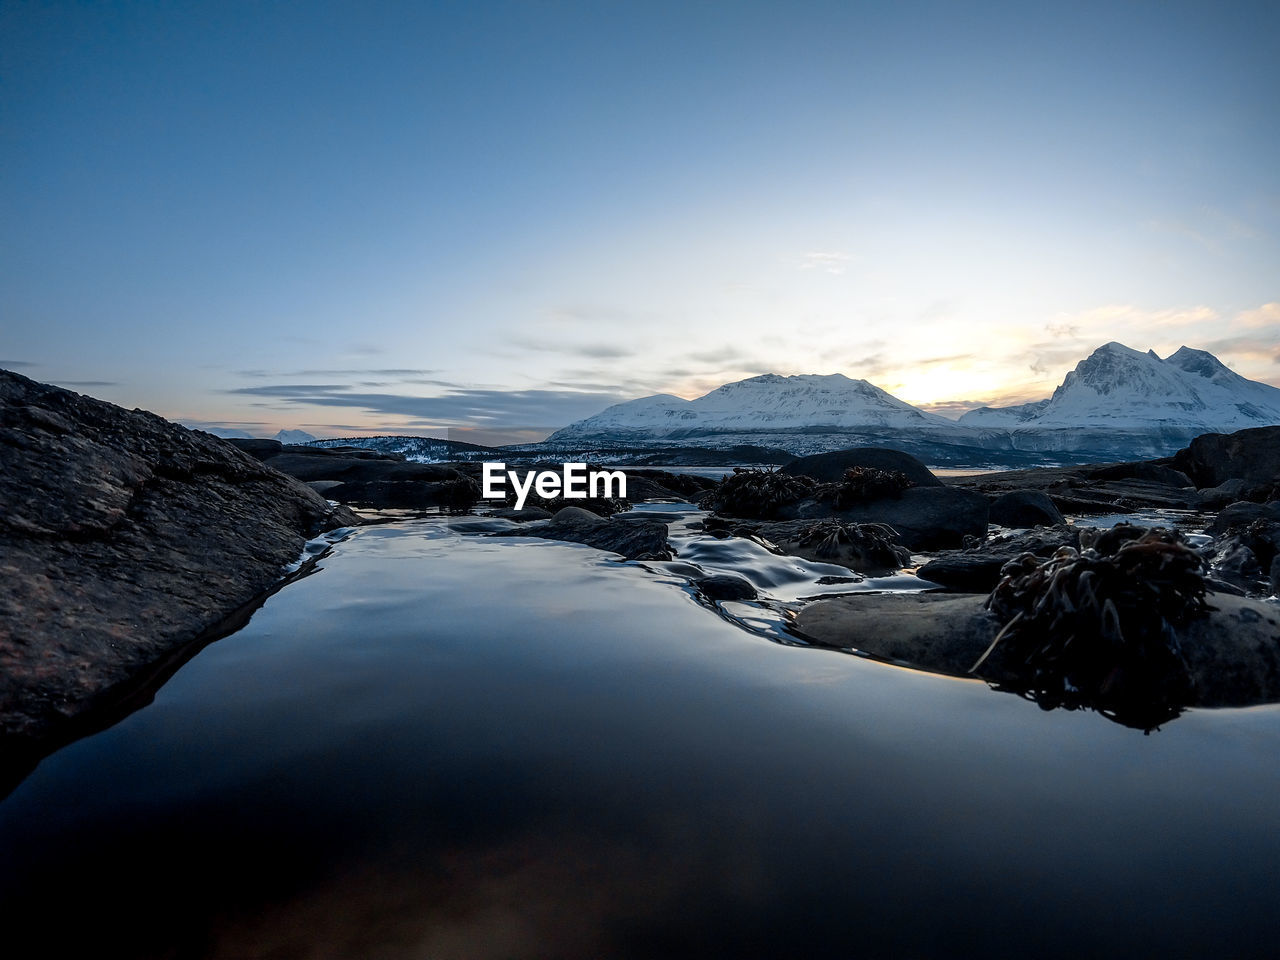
831,467
124,539
1251,455
520,516
634,539
978,570
1241,515
865,547
1246,555
1232,653
664,485
1024,508
1228,492
725,586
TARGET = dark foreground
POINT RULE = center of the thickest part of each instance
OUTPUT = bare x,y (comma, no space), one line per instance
444,746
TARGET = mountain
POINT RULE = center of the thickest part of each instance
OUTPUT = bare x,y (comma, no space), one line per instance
294,436
1118,400
1117,403
764,404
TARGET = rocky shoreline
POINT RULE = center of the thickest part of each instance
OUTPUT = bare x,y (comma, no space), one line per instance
129,540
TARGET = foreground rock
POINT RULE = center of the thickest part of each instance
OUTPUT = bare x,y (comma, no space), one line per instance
1251,456
633,539
926,518
866,548
125,538
977,570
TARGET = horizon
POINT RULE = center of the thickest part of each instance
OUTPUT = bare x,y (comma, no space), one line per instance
489,221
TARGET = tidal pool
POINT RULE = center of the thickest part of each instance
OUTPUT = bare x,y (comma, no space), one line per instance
447,745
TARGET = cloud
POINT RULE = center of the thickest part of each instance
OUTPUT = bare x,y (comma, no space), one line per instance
490,408
15,364
352,372
832,261
88,383
1267,315
595,351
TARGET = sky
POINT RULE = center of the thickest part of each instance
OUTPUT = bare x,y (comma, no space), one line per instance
487,220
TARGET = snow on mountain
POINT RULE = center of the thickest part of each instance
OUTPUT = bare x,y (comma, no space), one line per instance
1116,388
1116,404
294,436
766,404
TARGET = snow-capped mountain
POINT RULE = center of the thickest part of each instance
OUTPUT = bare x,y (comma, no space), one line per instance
294,436
764,404
1116,404
1130,396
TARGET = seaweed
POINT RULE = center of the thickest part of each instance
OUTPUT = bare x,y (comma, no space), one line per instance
1095,628
862,484
758,494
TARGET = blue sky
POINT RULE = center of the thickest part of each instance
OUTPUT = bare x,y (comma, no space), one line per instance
494,218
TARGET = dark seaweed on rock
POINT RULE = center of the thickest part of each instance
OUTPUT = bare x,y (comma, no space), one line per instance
758,494
876,543
861,484
1095,628
600,506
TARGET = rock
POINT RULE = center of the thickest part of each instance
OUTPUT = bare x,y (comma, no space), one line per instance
925,518
1251,455
1079,490
1148,470
978,570
725,586
865,547
521,516
1024,508
1233,653
1241,515
664,485
328,466
260,449
633,539
830,467
125,538
1245,556
1227,492
457,494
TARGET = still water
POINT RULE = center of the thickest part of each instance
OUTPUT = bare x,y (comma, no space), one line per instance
447,745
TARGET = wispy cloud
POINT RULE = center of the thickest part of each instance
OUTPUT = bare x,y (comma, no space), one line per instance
830,261
461,407
595,351
16,364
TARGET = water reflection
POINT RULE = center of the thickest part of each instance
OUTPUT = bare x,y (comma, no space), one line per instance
450,746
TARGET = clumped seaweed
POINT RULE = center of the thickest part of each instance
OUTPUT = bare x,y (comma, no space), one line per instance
1095,628
875,544
758,494
602,506
862,484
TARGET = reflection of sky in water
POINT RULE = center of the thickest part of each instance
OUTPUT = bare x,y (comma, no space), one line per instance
453,746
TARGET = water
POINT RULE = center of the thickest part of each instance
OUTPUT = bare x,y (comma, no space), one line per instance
442,745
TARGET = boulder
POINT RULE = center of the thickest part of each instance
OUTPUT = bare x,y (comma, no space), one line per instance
1024,508
1232,653
830,467
926,518
1252,455
1148,470
725,586
1241,515
125,540
864,547
633,539
978,570
1227,492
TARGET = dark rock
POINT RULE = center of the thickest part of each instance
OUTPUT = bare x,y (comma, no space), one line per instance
261,449
1241,515
1076,490
1025,508
124,539
635,539
865,547
1142,470
1227,492
457,494
521,516
925,518
830,467
978,570
306,466
725,586
664,485
1252,455
1232,654
1245,556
